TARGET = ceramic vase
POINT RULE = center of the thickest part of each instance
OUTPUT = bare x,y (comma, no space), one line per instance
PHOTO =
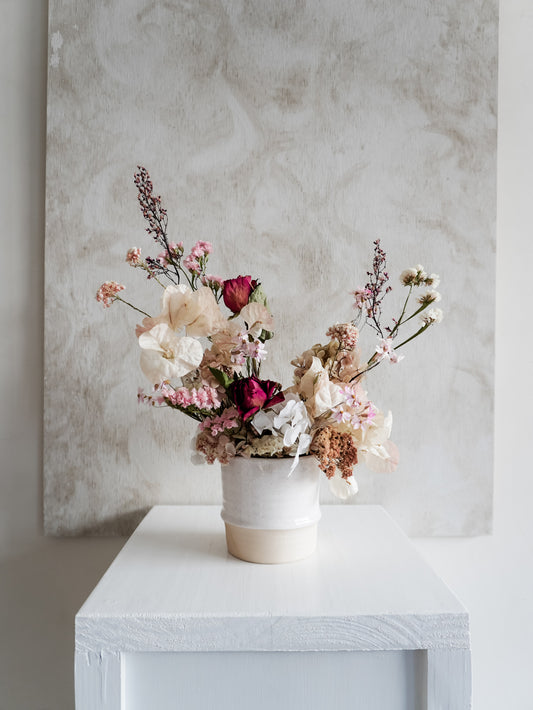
270,512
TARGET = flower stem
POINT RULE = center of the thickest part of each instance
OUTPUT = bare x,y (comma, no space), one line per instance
418,332
400,319
363,372
145,266
418,310
118,298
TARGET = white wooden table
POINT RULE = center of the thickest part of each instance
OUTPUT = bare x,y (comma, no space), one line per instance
364,624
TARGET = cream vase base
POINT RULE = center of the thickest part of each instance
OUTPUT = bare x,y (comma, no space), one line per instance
271,546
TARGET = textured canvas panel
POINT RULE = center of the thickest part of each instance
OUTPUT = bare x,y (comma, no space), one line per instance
290,134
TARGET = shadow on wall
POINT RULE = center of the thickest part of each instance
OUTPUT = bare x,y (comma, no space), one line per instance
117,525
40,593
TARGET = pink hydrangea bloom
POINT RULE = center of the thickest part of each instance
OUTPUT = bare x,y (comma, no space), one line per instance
107,293
212,447
229,419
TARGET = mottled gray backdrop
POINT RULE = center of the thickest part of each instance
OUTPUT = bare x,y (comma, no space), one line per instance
290,134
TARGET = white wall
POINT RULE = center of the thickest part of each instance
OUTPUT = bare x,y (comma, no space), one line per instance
351,154
493,576
44,581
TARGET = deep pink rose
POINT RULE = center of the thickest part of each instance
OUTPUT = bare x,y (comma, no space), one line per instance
236,292
252,394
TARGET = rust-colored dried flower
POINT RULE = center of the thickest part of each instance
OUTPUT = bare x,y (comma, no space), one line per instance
334,449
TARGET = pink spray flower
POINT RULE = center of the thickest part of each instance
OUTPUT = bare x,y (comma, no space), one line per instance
201,249
107,293
362,299
192,264
214,282
133,256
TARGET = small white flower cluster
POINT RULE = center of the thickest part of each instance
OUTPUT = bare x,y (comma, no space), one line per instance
416,276
430,296
434,315
290,421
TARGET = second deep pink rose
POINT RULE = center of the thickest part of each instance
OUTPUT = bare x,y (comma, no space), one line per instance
252,394
236,292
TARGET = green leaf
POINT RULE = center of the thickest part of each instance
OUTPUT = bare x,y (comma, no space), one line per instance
258,296
266,335
221,377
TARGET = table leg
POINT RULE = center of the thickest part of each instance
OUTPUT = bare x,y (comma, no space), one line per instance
449,679
98,681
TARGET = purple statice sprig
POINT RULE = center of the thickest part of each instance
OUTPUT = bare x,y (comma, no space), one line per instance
170,262
167,263
156,215
368,300
376,288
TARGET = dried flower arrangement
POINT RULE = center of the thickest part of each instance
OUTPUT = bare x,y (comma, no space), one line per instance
207,364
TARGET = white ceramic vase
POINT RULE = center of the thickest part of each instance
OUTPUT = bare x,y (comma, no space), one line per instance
271,513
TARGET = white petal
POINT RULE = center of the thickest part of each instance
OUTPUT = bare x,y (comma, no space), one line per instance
155,367
290,436
295,462
326,397
149,341
262,421
381,459
343,488
304,443
202,314
173,304
387,423
187,355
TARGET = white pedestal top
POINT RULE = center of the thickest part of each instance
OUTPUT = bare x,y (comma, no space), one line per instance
174,587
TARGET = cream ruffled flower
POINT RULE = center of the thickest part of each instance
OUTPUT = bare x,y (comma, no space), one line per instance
319,392
196,311
258,318
165,356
